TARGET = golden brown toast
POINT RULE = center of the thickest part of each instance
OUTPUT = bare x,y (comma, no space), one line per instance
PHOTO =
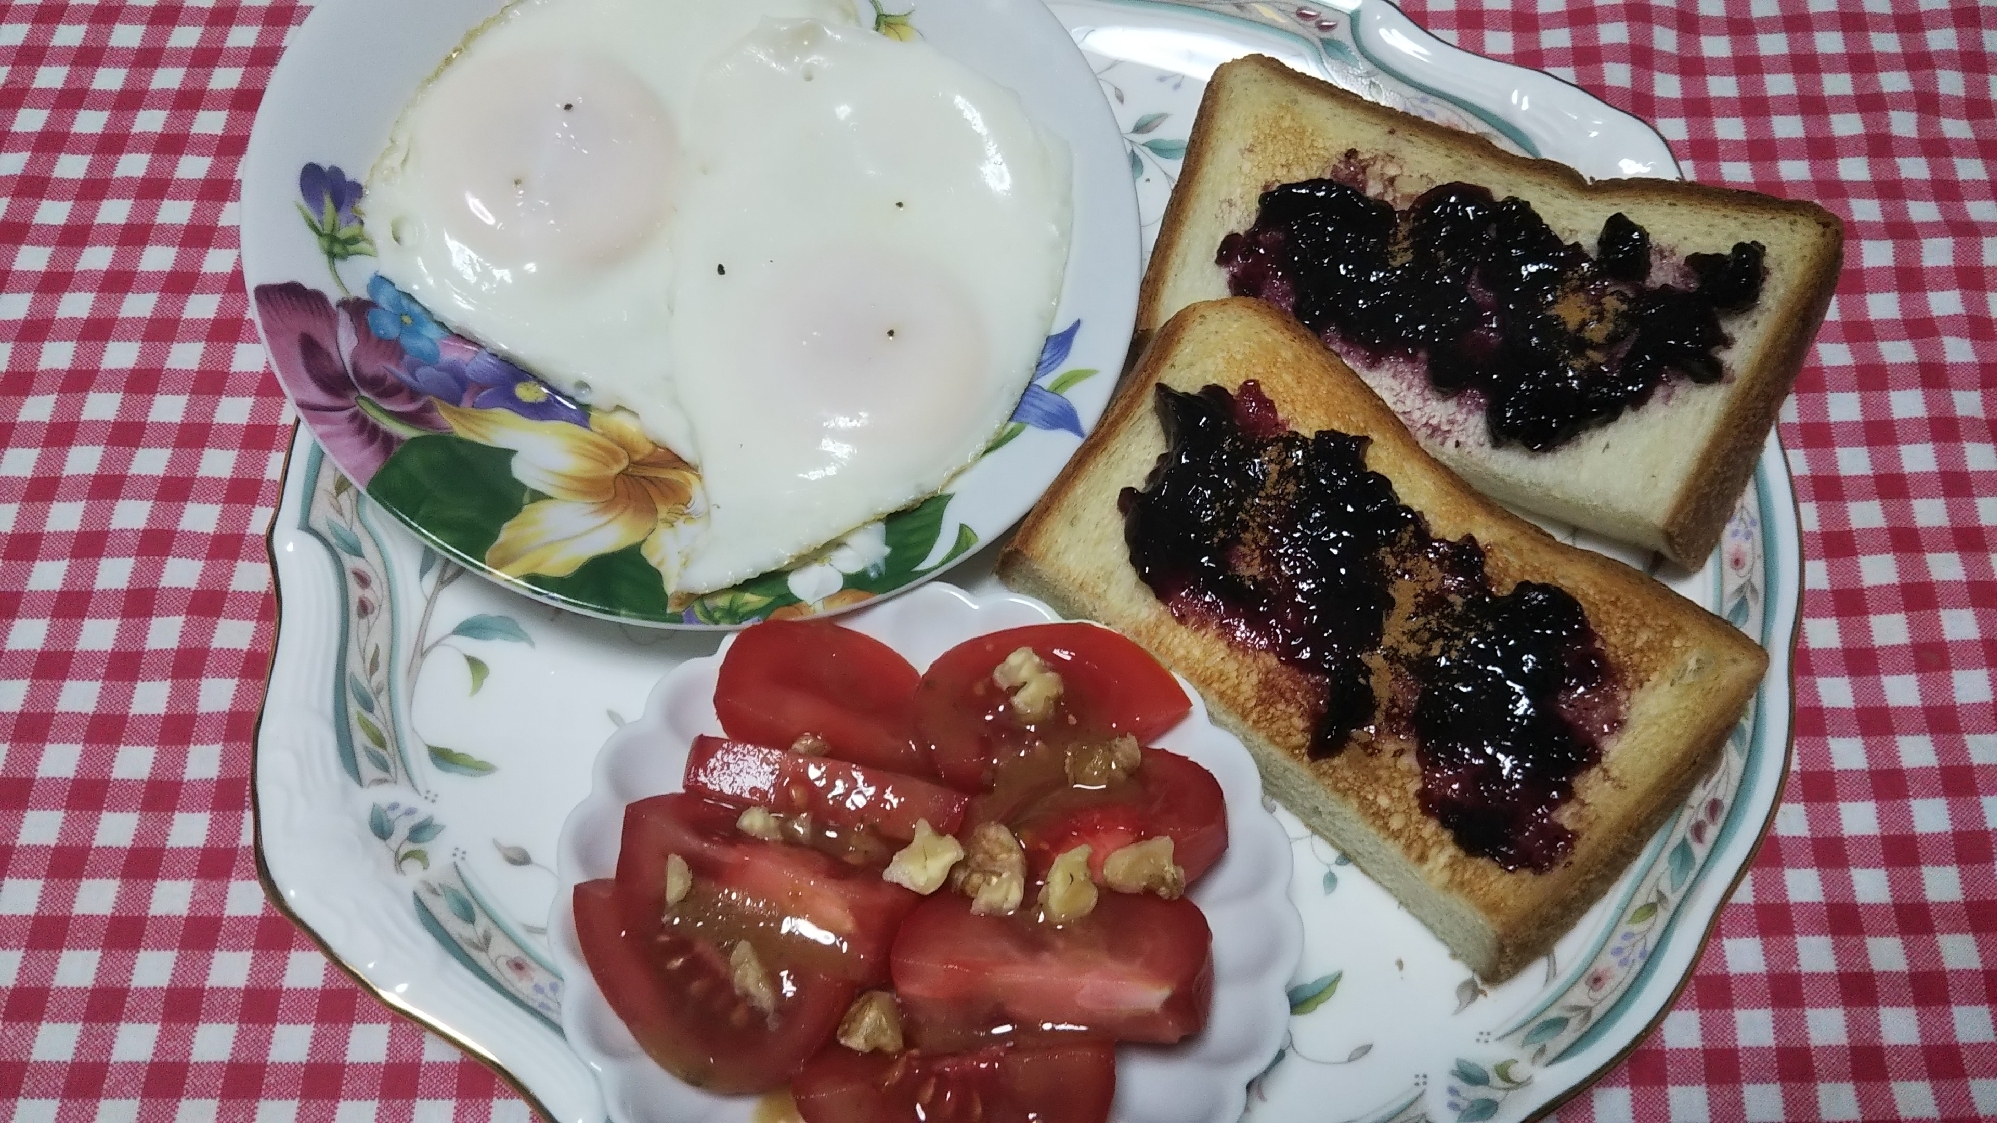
1664,476
1688,674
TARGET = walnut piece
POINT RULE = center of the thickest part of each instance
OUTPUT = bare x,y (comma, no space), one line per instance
1069,893
795,828
810,744
758,822
924,864
1145,867
1033,687
679,879
1098,763
993,873
752,980
872,1024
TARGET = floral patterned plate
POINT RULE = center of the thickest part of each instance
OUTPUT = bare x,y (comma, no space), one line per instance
573,505
425,735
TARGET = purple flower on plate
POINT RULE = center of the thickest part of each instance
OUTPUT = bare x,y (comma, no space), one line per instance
329,196
345,380
444,378
331,209
1043,406
466,376
397,316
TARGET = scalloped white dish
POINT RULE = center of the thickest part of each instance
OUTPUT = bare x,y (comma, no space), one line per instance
1257,934
426,735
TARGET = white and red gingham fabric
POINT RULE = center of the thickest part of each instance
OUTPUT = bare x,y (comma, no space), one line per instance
143,977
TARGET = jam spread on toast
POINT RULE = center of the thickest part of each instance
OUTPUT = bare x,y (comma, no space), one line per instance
1490,300
1286,543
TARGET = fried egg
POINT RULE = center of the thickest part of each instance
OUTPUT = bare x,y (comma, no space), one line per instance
881,241
526,191
816,262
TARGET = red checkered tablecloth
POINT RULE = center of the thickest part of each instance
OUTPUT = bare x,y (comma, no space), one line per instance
143,976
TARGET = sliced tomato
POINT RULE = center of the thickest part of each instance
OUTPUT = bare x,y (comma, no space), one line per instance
1167,797
792,903
784,679
835,792
1064,1082
1136,968
1109,686
676,996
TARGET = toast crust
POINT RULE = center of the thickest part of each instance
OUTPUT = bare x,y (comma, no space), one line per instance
1688,673
1679,462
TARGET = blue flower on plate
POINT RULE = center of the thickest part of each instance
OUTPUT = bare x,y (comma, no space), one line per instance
466,376
397,316
1043,406
329,196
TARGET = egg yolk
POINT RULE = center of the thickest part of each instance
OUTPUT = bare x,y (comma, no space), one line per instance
558,163
864,347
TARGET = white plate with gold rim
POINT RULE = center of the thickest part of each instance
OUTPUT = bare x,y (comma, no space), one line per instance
424,735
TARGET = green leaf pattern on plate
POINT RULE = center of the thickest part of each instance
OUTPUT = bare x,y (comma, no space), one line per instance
1305,997
449,903
365,703
1475,1092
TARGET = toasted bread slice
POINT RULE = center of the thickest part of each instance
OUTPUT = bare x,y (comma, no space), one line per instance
1664,476
1687,673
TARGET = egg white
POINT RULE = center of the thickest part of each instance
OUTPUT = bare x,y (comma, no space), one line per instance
881,239
526,193
816,262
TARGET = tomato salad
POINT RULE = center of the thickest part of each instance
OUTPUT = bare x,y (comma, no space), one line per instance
917,896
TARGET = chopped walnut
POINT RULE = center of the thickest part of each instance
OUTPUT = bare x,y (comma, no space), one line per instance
872,1024
924,864
993,872
1145,867
1069,893
1033,687
758,822
810,744
679,879
795,828
1097,763
752,980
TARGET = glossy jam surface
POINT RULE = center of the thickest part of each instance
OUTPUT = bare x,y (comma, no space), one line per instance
1286,543
1276,538
1491,300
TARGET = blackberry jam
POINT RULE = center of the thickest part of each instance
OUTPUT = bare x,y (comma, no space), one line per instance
1490,299
1277,538
1286,543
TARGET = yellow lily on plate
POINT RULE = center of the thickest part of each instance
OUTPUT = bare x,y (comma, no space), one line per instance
608,486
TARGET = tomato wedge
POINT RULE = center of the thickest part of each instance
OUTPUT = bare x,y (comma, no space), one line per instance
676,997
794,904
1065,1082
1167,797
784,679
1111,686
835,792
1137,968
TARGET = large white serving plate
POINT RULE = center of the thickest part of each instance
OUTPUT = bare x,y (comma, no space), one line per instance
424,735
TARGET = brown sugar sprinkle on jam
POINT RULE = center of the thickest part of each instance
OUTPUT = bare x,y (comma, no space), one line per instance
1286,543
